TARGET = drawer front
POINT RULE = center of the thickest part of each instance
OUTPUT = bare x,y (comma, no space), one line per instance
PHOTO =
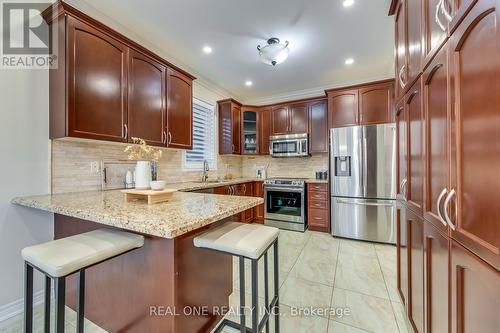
318,217
314,195
318,204
317,187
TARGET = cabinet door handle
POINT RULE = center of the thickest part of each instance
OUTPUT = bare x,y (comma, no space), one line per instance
318,218
164,137
401,83
232,148
125,130
445,11
244,189
439,7
446,204
438,205
169,138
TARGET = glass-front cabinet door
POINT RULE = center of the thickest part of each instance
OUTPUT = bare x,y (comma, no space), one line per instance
250,144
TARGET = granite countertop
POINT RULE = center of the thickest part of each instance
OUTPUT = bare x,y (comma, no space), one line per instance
194,186
183,213
317,181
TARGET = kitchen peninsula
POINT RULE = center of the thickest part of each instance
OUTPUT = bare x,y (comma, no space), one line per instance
168,272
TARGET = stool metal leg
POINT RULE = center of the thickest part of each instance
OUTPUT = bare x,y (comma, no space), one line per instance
255,304
46,324
276,289
80,299
242,295
266,287
60,291
28,298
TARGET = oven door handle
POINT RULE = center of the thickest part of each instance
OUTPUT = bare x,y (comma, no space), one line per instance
287,189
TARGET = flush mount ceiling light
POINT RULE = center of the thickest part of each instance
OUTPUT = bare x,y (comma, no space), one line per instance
207,49
348,3
248,83
274,52
349,61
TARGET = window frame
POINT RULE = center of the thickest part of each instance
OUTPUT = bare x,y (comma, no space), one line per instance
194,167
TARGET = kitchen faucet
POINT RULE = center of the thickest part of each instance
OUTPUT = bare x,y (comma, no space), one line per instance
206,168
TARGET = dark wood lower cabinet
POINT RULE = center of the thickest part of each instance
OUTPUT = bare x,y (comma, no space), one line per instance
415,305
402,252
258,191
475,293
436,251
244,189
318,212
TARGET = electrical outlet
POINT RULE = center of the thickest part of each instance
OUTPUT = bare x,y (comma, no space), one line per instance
94,167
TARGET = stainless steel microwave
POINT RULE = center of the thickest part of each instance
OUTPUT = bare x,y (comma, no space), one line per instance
289,145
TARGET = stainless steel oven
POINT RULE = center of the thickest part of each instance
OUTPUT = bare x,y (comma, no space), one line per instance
290,145
285,204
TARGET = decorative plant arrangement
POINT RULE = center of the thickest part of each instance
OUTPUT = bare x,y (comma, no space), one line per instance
142,153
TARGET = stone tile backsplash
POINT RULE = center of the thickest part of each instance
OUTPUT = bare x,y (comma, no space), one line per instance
71,165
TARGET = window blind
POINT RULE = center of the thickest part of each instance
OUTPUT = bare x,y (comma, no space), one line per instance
203,137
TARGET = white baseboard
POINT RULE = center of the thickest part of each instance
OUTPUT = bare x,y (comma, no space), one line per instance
15,308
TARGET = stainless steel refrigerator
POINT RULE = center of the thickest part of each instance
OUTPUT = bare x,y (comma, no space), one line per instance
363,177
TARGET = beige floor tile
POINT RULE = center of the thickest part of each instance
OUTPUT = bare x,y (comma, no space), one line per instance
386,252
314,265
305,294
336,327
357,248
390,276
369,282
366,312
359,262
401,318
291,322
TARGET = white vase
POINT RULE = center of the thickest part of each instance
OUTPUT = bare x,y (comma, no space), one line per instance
142,175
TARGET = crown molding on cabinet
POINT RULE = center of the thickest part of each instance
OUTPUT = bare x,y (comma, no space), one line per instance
308,93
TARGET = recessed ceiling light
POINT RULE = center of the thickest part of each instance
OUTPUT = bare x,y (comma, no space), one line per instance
349,61
248,83
348,3
207,49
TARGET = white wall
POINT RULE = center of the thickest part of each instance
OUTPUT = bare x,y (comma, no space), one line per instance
24,170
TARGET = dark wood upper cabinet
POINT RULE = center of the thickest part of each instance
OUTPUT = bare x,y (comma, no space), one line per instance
280,121
414,46
236,114
402,149
97,84
318,127
229,127
401,39
474,212
437,116
435,27
343,108
264,126
179,110
250,133
436,254
415,130
475,293
298,118
415,306
146,99
107,87
375,104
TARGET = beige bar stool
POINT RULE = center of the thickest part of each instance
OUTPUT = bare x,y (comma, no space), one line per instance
60,258
249,241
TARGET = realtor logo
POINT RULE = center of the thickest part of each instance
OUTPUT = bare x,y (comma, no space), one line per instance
27,40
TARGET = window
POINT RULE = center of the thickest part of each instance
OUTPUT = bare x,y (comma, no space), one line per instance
203,138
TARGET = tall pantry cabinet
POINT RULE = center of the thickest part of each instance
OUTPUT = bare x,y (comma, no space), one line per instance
447,111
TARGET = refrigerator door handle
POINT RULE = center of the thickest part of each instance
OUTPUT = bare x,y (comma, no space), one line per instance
365,166
348,202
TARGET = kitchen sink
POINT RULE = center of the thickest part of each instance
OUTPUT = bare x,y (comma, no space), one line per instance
208,182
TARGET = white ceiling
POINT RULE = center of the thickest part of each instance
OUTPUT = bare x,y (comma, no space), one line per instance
322,34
